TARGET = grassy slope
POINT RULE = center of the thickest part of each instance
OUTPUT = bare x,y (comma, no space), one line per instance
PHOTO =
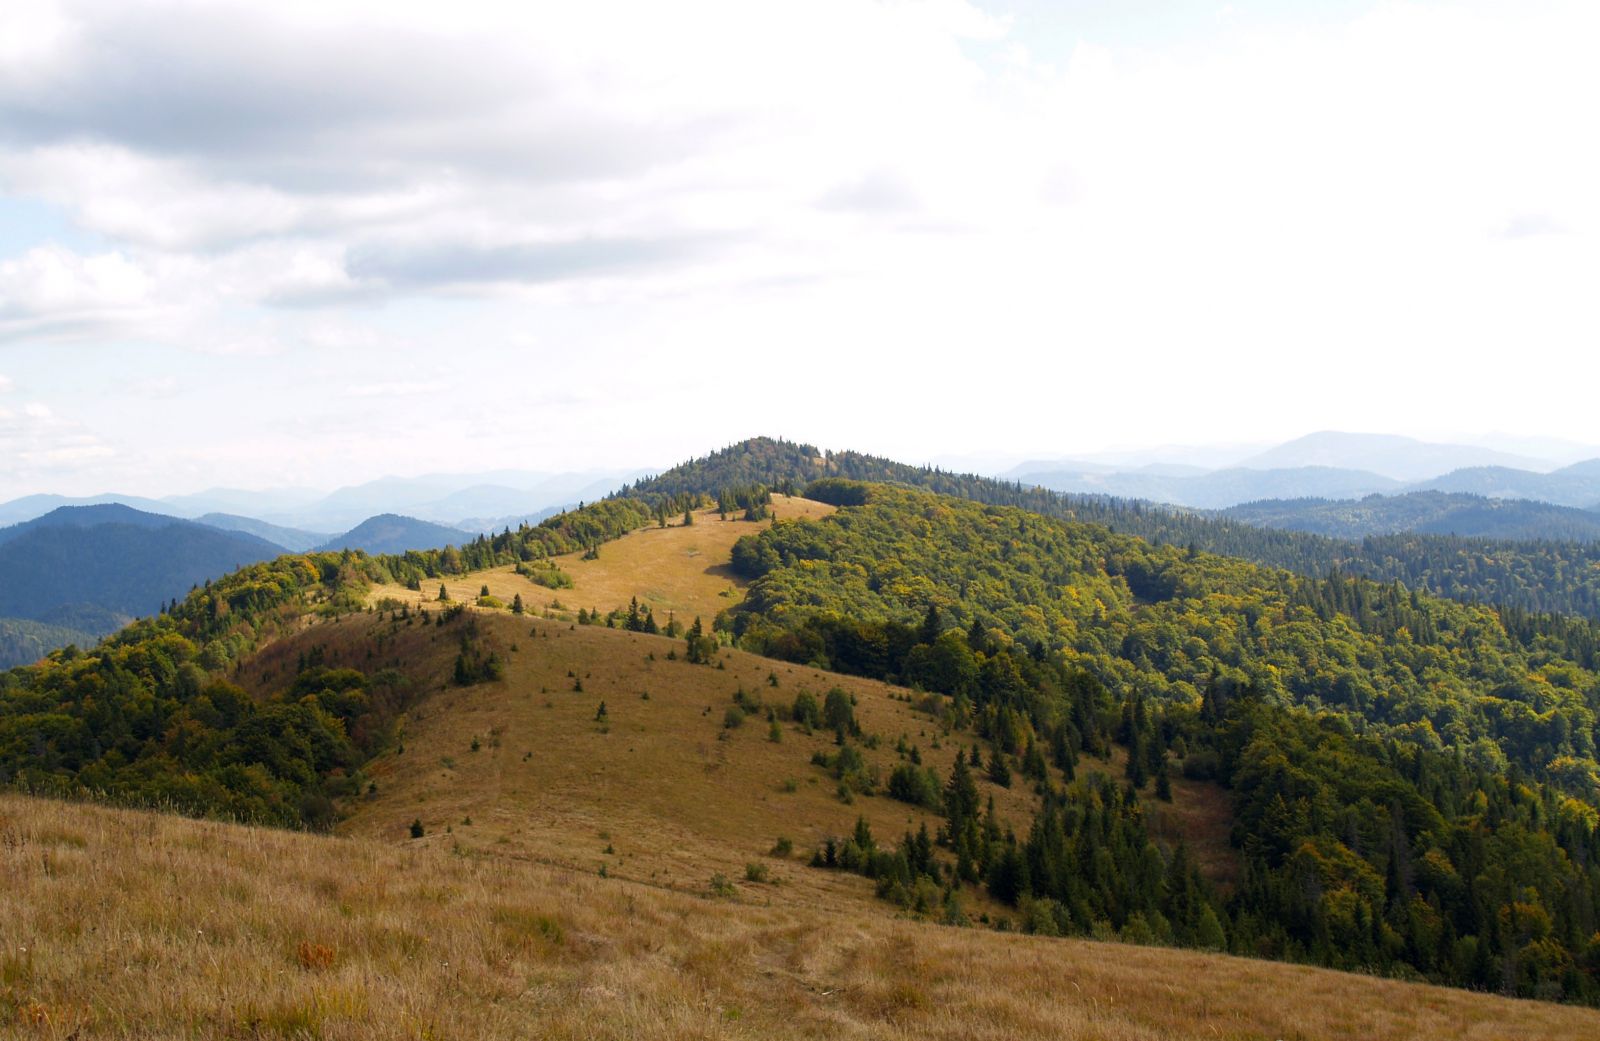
129,924
118,924
679,569
663,781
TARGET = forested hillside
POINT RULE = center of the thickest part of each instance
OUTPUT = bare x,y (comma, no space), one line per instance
1414,780
392,533
1425,513
1544,576
23,640
149,717
75,568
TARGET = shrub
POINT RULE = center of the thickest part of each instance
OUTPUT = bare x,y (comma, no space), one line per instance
754,872
916,785
806,711
1202,765
839,713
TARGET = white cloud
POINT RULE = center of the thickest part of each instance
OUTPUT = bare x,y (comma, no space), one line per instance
397,389
51,290
38,446
1273,227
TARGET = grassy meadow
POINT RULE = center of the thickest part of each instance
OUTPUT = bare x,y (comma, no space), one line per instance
122,924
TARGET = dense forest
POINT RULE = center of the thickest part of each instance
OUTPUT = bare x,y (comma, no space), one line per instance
1426,513
92,576
1414,780
23,640
1540,576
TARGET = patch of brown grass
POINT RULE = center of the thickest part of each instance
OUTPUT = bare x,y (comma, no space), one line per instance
680,569
141,932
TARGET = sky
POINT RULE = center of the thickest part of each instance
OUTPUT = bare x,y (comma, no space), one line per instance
309,243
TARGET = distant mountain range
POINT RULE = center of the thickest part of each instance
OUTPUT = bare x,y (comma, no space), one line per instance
392,533
1396,458
94,567
1328,466
87,564
292,539
1428,513
476,502
80,572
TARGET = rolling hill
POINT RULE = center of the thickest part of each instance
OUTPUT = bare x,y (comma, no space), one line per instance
1216,489
630,852
91,516
94,567
292,540
1543,576
1576,485
1429,513
952,711
24,641
29,507
392,533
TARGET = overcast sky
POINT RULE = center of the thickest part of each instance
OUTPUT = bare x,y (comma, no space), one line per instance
321,242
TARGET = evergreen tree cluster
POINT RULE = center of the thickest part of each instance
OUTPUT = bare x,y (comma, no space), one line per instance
1413,780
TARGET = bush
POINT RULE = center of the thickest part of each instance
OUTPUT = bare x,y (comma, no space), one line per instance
806,711
734,717
916,785
416,828
1202,765
754,872
721,886
782,848
839,713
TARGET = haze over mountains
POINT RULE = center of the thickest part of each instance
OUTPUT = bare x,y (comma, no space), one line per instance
1429,513
79,573
474,501
1329,465
94,568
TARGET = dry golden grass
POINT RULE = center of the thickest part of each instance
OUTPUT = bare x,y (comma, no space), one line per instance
120,924
680,569
662,781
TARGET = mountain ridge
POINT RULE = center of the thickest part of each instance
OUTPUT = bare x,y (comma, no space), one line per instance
1425,512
